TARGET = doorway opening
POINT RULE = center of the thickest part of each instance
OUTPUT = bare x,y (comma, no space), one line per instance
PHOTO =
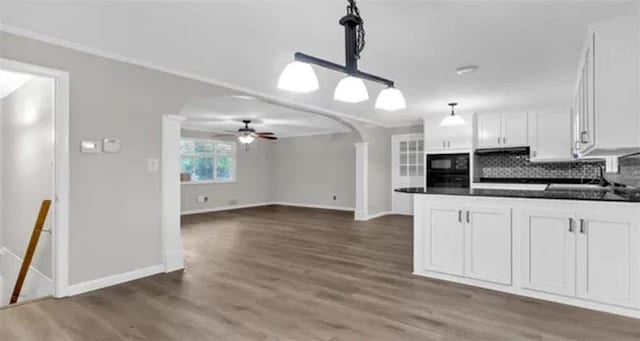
33,169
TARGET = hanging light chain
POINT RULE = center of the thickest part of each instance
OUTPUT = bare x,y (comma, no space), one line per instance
360,32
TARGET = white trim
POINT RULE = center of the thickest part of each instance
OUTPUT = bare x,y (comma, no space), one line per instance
381,214
362,181
172,254
101,53
60,214
108,281
322,207
224,208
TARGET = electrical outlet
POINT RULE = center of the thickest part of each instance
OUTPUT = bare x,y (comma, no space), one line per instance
202,199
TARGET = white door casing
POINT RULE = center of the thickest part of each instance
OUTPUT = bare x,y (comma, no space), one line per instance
172,252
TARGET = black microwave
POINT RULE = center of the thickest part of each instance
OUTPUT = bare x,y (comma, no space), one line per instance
448,170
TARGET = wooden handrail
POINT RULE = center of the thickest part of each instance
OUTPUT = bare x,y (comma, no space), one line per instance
31,249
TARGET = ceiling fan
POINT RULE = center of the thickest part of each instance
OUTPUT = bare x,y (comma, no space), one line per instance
247,135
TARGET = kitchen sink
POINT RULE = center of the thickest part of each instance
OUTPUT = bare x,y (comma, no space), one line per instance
578,187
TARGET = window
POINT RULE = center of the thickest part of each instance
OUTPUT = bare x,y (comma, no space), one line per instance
207,161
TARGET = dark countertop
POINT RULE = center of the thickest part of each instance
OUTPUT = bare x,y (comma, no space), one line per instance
615,196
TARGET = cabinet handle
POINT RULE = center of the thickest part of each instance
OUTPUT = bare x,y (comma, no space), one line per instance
498,140
468,219
460,215
535,154
570,224
583,137
504,140
582,229
444,143
448,144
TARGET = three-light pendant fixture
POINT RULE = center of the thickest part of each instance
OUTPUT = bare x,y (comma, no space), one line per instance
299,76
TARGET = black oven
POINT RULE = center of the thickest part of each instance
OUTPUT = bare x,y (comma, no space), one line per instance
448,170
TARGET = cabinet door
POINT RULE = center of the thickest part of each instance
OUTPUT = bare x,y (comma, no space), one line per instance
548,251
444,239
587,134
460,137
550,137
488,244
434,135
514,130
608,257
489,130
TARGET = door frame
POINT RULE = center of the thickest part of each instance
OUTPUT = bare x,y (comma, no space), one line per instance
61,176
394,139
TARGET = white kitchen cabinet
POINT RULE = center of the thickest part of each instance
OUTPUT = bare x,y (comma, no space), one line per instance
607,249
606,101
550,137
448,139
443,238
548,251
502,130
489,130
488,244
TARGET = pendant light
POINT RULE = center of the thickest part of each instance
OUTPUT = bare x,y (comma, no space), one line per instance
452,120
299,76
351,90
390,99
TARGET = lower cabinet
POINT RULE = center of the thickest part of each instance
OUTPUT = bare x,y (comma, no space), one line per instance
574,252
468,241
589,255
607,257
488,244
548,251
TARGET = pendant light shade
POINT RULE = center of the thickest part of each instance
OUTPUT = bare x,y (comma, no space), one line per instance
298,77
390,99
246,139
351,90
452,120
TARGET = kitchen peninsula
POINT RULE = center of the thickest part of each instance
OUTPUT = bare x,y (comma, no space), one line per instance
577,247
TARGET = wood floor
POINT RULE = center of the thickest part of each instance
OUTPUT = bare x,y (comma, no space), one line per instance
286,273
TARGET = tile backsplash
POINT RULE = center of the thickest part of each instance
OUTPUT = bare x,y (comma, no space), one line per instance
519,166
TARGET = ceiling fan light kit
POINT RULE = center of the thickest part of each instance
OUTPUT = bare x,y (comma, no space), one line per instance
299,76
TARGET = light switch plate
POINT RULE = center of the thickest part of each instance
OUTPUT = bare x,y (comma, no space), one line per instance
110,145
90,147
153,165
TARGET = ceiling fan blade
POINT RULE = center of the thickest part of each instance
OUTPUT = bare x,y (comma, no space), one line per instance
235,132
261,133
222,135
267,137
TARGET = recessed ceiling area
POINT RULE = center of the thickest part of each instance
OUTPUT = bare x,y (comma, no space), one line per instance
11,81
223,114
527,51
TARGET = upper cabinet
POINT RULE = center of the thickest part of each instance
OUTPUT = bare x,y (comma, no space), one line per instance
606,105
550,137
447,139
502,130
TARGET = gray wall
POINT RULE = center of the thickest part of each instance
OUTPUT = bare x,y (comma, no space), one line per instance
115,202
27,178
252,179
311,170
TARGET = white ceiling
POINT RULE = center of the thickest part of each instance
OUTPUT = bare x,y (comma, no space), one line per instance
527,50
222,114
11,81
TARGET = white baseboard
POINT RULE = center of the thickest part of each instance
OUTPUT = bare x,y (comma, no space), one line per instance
378,215
173,261
108,281
223,208
236,207
323,207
